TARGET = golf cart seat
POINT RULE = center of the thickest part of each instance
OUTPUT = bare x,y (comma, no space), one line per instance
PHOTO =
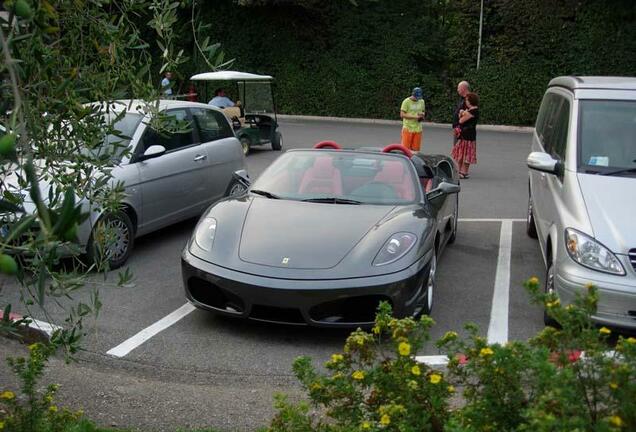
235,117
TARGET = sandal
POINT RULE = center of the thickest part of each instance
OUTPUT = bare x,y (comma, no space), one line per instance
463,176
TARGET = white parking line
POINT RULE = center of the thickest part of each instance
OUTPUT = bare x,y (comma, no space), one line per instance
498,327
127,346
490,220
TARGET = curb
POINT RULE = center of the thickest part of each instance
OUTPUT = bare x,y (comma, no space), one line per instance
34,331
494,128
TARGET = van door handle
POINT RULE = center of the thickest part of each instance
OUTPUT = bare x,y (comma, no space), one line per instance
198,158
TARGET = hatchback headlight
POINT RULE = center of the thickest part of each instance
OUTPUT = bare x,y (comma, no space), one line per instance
395,248
205,232
589,253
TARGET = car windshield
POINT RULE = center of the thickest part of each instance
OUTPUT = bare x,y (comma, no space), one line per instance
606,137
257,97
339,177
116,143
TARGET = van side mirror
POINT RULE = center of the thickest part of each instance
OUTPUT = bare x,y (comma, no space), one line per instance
540,161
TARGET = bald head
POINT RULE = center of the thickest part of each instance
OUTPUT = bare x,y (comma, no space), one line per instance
463,88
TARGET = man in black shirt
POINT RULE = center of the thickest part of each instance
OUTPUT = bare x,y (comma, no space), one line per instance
463,88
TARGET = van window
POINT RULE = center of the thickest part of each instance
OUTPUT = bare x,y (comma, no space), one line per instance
561,127
545,120
606,137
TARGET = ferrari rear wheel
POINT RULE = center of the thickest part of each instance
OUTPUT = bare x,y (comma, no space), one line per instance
453,235
430,285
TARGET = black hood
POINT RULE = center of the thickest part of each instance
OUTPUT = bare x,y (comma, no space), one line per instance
273,234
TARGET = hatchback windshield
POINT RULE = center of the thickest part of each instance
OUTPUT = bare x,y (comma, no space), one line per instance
339,177
607,143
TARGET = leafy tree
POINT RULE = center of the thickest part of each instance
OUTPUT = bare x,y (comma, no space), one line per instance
59,57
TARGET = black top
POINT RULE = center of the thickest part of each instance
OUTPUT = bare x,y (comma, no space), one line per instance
469,127
461,104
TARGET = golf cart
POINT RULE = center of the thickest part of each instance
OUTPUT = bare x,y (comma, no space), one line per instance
254,120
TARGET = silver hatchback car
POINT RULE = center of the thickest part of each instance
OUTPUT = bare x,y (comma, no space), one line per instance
168,177
582,187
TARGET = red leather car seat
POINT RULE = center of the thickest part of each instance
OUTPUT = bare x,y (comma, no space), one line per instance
394,174
322,177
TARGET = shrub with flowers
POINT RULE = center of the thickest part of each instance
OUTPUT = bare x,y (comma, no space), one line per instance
579,377
31,410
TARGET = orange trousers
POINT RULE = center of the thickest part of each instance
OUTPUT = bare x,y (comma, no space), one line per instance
411,140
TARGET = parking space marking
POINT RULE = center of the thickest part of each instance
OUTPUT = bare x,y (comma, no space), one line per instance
128,345
490,220
498,327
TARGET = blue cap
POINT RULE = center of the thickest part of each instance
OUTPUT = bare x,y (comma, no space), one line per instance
417,93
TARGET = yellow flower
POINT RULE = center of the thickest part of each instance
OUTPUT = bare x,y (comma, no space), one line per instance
53,409
404,348
485,352
534,280
7,395
335,358
385,420
435,378
450,335
631,340
616,421
365,425
450,389
604,330
553,303
415,370
613,385
358,375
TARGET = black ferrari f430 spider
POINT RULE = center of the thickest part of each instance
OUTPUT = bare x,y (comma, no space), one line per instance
324,235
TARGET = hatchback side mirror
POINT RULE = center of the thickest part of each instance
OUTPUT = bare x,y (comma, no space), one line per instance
540,161
152,152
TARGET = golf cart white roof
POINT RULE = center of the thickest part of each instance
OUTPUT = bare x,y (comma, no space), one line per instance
230,76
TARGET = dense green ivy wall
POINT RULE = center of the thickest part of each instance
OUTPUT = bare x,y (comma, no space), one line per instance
361,61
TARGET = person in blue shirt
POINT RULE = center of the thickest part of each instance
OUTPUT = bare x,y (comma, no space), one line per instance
166,84
220,100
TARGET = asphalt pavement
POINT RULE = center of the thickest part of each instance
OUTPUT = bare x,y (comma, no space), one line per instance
199,370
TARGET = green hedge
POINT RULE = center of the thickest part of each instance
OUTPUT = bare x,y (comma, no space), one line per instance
361,61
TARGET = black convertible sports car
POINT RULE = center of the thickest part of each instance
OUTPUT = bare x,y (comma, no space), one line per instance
324,235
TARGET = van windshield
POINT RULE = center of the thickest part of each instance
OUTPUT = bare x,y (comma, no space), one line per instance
607,143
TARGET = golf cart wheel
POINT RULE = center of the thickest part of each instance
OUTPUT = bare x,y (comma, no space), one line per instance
111,241
277,141
245,144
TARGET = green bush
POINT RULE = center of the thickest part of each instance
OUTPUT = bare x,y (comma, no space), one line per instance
337,59
34,411
563,379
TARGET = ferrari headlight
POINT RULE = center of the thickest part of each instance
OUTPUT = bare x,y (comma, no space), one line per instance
395,248
204,233
589,253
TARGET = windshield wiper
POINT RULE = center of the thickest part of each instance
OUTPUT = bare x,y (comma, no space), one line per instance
264,193
620,171
332,200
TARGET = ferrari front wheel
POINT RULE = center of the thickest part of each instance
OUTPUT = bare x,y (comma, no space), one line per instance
430,283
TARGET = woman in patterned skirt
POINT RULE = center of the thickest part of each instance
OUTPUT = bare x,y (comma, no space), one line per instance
465,150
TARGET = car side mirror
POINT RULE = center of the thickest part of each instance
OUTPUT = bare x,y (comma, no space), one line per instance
444,188
540,161
152,152
242,177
